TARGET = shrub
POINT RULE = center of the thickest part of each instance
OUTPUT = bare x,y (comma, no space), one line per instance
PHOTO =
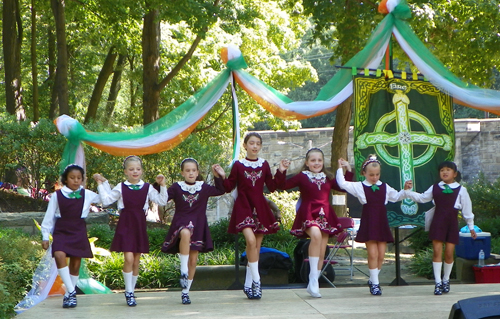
485,197
103,233
156,238
19,256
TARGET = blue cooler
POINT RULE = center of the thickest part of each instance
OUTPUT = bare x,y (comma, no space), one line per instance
469,248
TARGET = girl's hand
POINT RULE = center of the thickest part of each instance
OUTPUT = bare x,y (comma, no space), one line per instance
344,163
284,165
473,234
218,171
160,179
99,178
408,185
45,244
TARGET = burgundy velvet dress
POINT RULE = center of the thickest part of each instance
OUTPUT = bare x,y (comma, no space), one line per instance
250,207
315,208
444,225
190,212
70,231
131,231
374,224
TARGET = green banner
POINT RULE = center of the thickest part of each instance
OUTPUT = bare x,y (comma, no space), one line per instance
409,126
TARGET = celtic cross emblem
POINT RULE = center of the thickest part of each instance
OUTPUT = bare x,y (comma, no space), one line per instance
404,138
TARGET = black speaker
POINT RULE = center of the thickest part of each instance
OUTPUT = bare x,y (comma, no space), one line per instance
486,307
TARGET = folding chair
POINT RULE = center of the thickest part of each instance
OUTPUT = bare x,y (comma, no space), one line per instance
341,243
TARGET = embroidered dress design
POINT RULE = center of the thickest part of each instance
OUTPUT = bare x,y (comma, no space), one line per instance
316,178
190,199
253,176
321,222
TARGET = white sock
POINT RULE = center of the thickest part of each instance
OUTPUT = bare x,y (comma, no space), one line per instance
66,279
186,290
127,278
134,281
374,276
447,271
378,271
248,278
437,271
184,263
74,280
254,268
313,266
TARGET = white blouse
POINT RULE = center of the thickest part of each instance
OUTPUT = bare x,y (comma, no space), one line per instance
53,211
356,189
462,203
109,196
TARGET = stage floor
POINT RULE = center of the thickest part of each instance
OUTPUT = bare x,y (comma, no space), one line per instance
408,302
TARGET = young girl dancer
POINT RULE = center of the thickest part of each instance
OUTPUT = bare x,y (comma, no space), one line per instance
251,214
374,229
131,235
315,217
189,233
65,220
449,197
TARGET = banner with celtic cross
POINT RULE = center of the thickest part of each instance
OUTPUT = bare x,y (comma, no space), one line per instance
409,126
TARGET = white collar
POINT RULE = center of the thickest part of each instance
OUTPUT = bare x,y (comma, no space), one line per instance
312,175
141,182
365,182
253,164
191,189
66,190
451,185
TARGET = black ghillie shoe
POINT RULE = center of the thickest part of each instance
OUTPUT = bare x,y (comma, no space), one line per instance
248,292
256,290
185,299
438,289
72,299
130,299
369,283
375,290
66,302
183,280
446,286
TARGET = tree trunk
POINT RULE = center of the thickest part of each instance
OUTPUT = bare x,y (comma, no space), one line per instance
151,62
12,34
106,71
340,141
61,83
54,101
115,87
34,69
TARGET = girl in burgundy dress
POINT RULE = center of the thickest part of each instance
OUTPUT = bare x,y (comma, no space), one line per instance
449,197
65,220
189,233
131,235
374,228
315,217
251,214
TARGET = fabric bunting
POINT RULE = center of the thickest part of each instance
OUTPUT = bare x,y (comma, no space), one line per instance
172,129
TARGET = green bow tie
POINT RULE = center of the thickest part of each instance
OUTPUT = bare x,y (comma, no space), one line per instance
75,194
134,187
447,189
375,187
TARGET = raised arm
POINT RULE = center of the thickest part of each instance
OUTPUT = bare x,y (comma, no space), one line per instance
420,197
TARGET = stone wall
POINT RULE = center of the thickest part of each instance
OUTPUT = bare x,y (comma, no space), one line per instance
477,146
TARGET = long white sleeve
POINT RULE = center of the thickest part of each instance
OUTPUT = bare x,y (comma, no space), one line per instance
465,205
421,197
49,220
160,198
393,195
353,188
108,195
